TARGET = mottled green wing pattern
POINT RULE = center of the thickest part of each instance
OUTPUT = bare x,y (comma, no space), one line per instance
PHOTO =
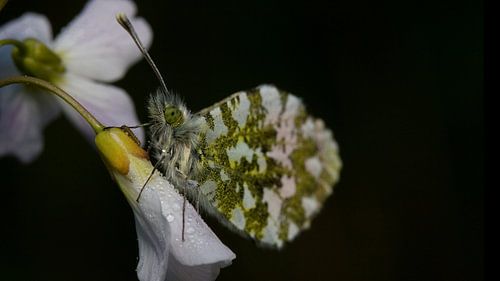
267,166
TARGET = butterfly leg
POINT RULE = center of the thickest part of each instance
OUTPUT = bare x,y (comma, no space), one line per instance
127,130
183,213
155,168
194,184
186,184
129,127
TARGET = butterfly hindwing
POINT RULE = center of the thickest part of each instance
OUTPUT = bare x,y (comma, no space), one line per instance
267,166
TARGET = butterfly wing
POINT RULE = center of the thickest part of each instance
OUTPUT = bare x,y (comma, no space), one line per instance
267,165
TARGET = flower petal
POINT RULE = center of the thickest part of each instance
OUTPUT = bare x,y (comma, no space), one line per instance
198,236
159,228
28,25
23,115
199,257
109,104
95,45
24,112
178,271
153,234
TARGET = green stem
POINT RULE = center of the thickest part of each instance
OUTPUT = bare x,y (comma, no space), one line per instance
93,122
2,4
16,43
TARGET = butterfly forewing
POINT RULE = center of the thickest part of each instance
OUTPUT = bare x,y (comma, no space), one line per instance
267,166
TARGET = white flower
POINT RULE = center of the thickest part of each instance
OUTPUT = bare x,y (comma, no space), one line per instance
158,216
92,48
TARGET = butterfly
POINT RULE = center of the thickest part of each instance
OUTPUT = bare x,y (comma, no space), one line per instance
256,160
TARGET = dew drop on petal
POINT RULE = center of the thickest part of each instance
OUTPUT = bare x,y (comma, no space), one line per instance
170,218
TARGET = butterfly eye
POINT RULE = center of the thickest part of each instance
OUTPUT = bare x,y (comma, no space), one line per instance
173,116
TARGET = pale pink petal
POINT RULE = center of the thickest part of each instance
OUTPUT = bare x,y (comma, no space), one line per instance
24,112
153,234
28,25
201,245
198,258
109,104
23,116
205,272
94,45
159,229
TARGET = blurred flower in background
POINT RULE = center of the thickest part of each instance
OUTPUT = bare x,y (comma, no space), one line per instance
91,50
173,244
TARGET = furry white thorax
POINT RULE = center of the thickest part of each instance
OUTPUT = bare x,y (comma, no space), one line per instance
175,147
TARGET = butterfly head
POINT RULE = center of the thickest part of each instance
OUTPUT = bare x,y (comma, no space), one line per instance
173,116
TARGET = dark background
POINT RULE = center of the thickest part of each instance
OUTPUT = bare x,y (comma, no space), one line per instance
399,82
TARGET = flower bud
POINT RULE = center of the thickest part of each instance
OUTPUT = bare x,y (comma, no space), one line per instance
116,147
35,59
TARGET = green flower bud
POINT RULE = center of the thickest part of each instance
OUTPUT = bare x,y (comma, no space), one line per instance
33,58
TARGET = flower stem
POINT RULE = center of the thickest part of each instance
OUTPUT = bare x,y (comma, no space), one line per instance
2,4
93,122
15,43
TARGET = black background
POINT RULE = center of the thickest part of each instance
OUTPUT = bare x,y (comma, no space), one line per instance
399,82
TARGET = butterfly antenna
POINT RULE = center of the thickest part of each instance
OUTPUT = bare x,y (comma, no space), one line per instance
127,25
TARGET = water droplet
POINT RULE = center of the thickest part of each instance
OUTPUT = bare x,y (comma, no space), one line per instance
190,230
170,218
